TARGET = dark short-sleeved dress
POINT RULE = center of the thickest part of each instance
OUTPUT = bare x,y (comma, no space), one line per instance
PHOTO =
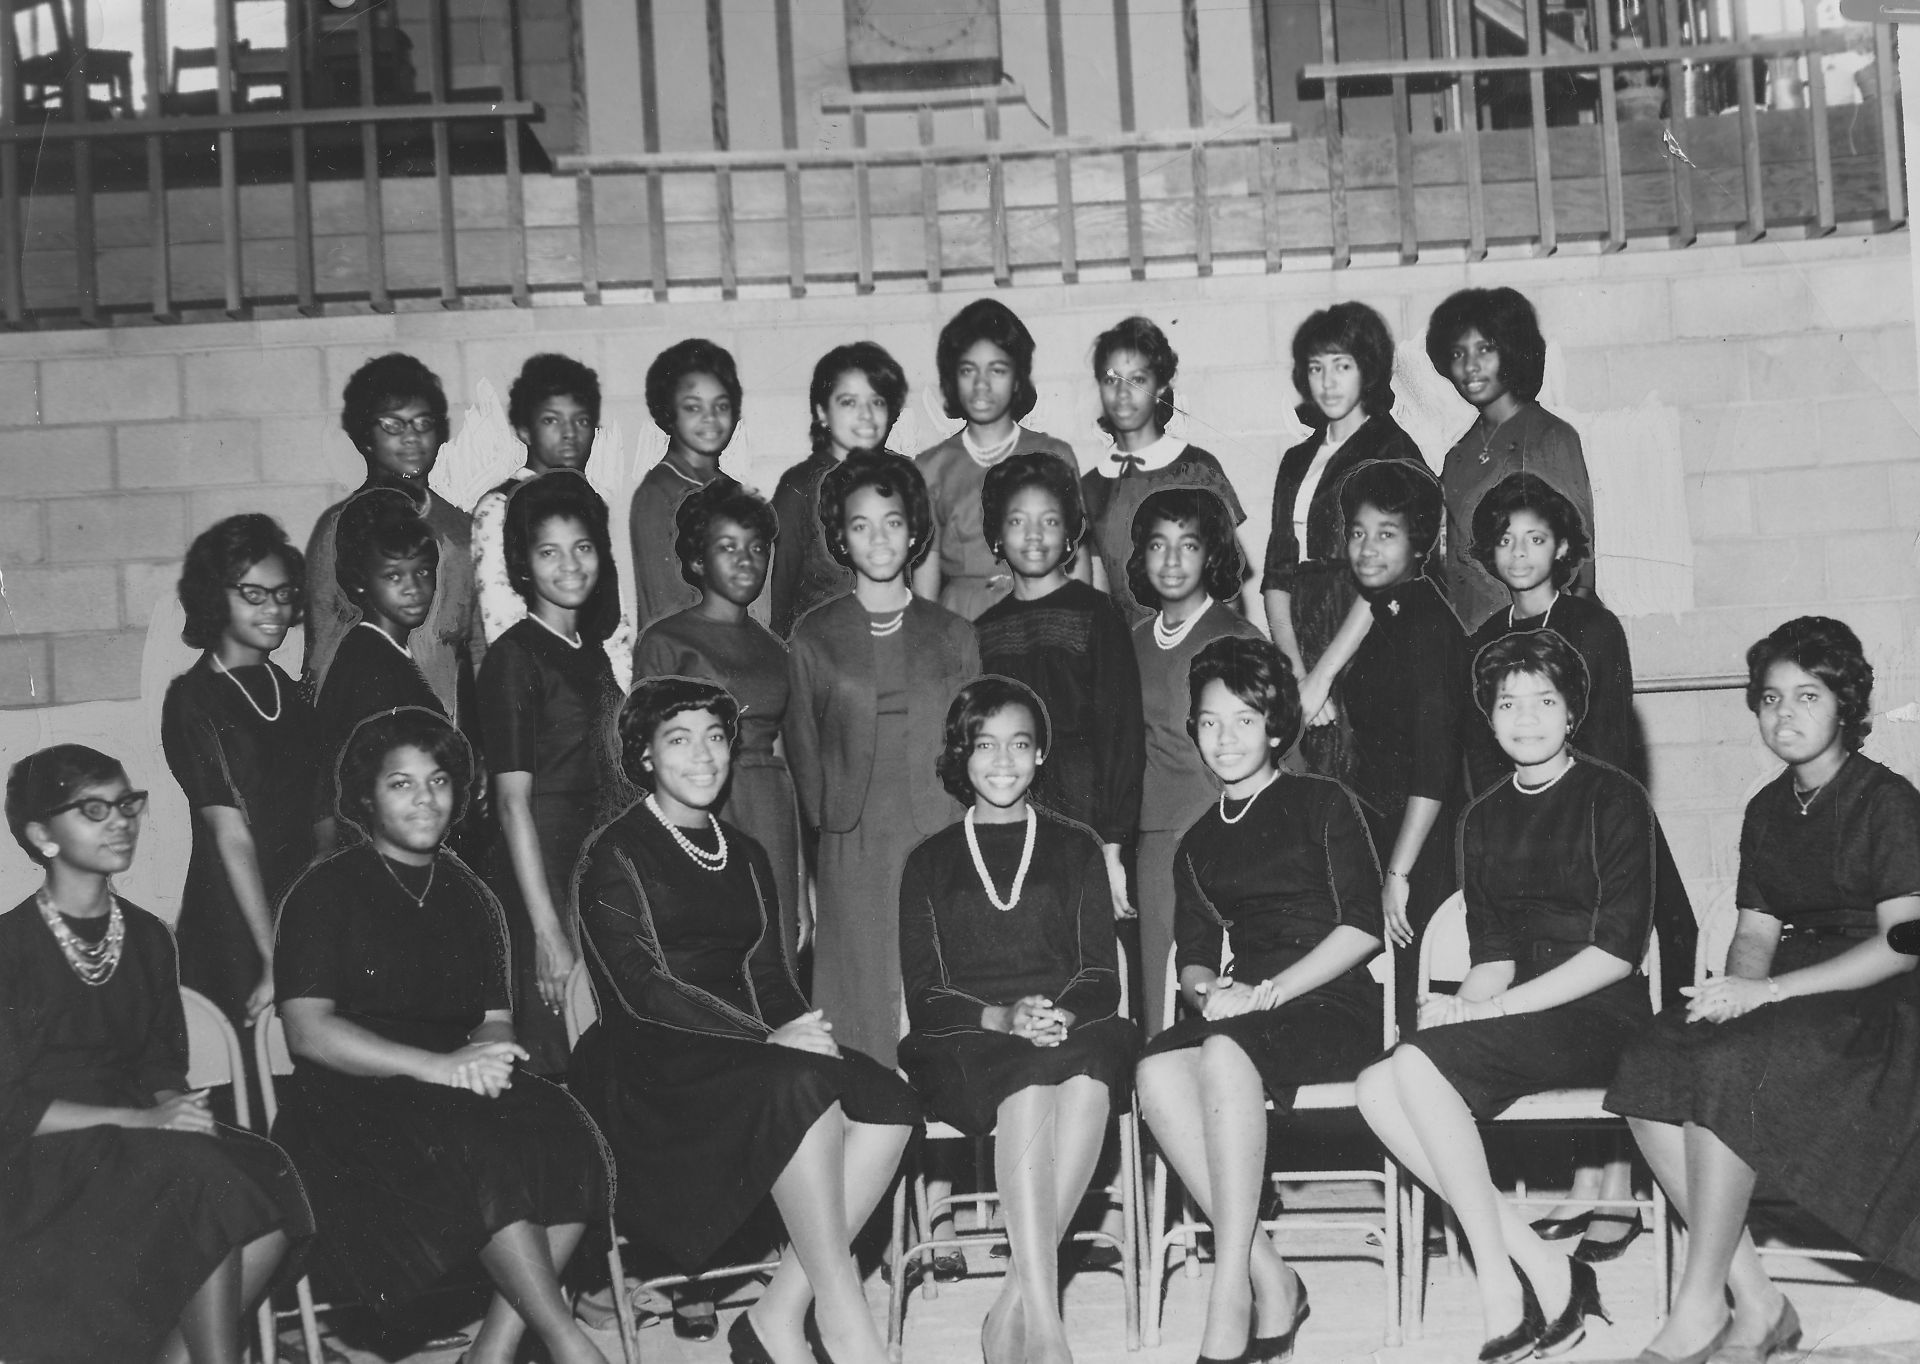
702,1112
106,1232
1112,501
1295,864
1819,1094
1547,874
1074,649
369,674
545,709
959,953
971,579
658,588
255,753
804,573
410,1180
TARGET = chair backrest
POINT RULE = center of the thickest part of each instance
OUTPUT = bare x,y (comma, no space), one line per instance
213,1052
1381,967
271,1057
582,1010
1715,940
1446,953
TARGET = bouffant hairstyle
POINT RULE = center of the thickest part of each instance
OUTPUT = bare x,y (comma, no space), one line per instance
550,375
374,740
695,355
1399,489
1201,511
976,703
1506,319
1256,672
536,501
1533,653
656,700
1346,329
218,559
380,523
1035,469
1530,493
888,474
869,358
1144,339
986,319
383,383
1830,651
721,500
48,779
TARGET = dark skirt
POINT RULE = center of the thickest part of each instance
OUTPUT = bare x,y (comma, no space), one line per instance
1316,1039
409,1180
106,1232
562,821
966,1076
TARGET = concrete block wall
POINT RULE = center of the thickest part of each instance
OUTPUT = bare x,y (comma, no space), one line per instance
1788,370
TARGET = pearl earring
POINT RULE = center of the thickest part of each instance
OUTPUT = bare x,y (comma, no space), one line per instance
49,850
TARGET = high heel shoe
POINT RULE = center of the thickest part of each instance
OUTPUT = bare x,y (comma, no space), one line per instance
1713,1347
1570,1327
1519,1343
1783,1336
744,1343
1278,1349
1562,1228
1604,1252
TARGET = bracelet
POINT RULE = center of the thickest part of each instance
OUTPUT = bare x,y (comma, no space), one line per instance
1401,874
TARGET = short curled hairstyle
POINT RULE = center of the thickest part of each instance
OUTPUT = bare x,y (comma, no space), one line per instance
1399,489
1504,317
1141,336
1201,511
1530,493
885,473
695,355
534,502
218,559
1829,650
976,703
386,382
1533,653
376,738
721,500
986,319
1346,329
48,779
1035,469
1256,672
379,523
551,375
864,357
656,700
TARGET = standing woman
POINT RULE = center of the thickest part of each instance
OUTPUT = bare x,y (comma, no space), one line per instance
985,362
1801,1065
1014,998
1292,871
547,696
239,739
694,396
871,675
132,1225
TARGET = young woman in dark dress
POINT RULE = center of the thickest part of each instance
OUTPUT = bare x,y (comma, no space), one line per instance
694,397
1800,1066
239,739
421,1145
1557,865
547,698
1068,641
716,1082
1014,998
132,1225
1293,871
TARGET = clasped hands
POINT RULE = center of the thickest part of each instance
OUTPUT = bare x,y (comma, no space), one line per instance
483,1068
1225,997
181,1113
1038,1020
1724,998
1437,1011
809,1032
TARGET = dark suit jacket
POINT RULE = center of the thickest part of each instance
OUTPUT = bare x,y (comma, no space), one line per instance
1379,437
831,719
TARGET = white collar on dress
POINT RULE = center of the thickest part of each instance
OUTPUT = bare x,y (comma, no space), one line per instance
1154,457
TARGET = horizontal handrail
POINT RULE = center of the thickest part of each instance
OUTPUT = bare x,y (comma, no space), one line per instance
1655,686
1797,45
95,130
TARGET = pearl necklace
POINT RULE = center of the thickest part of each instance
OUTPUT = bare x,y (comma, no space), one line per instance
1225,818
1019,877
1544,786
706,861
889,625
94,962
271,677
1169,637
992,455
1546,616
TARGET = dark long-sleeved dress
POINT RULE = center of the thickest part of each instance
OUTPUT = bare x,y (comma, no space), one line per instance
1074,649
702,1112
107,1231
1820,1094
960,953
971,579
370,673
658,588
1295,864
225,751
1548,873
410,1180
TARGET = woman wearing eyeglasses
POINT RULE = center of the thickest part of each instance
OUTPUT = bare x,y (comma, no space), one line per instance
239,738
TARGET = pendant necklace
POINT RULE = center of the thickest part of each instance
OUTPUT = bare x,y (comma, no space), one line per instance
706,861
420,900
1805,799
271,677
1225,818
1486,441
1170,636
93,962
1019,877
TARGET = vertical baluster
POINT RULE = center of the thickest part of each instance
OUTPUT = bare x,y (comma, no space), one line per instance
1402,137
722,140
439,82
516,183
1817,107
589,239
1893,182
1680,172
153,19
1130,160
1542,155
13,290
230,240
1062,163
1756,227
79,101
303,271
1469,130
650,143
1264,152
790,138
862,206
1196,119
1610,137
997,196
371,191
930,200
1336,149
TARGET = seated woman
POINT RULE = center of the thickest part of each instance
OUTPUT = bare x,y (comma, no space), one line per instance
1800,1065
1014,1000
1293,871
716,1083
419,1143
116,1241
1557,867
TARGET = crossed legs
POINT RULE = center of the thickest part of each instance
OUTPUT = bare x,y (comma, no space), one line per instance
524,1261
212,1326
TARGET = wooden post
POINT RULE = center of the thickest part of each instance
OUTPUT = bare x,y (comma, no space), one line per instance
1542,154
1817,108
862,207
1197,118
650,141
378,297
1403,145
1062,163
997,197
1749,133
437,83
160,260
1680,172
790,139
1615,190
1893,184
1336,150
303,272
1129,160
79,100
722,140
230,241
1469,130
930,201
1263,110
516,183
589,240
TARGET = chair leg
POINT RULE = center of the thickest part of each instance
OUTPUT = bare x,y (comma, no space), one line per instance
923,1208
1662,1253
1391,1250
897,1262
269,1334
622,1300
1416,1256
309,1321
1154,1246
1130,1225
